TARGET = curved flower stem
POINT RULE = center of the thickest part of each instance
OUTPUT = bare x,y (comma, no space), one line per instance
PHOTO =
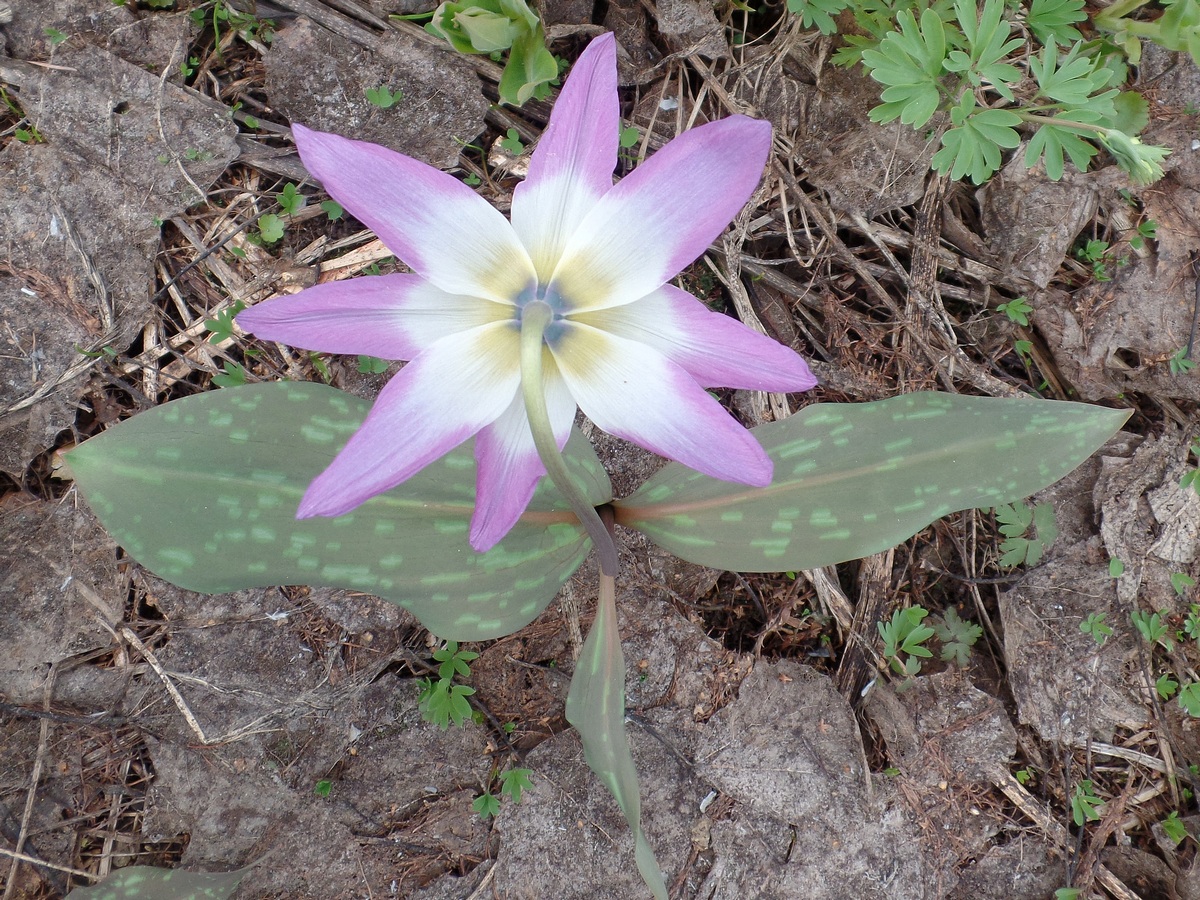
534,319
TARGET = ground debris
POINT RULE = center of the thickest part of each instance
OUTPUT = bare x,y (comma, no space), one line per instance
320,80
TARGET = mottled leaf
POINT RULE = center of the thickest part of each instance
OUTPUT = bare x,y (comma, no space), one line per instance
855,479
148,883
203,491
596,707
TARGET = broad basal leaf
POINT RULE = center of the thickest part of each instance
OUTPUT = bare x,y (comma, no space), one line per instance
596,707
203,491
149,883
855,479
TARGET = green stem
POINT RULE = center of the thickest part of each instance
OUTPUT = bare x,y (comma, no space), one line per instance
1034,119
534,319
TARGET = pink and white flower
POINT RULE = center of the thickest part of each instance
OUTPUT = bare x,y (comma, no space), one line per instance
632,351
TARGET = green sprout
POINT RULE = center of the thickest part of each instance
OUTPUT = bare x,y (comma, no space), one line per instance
332,209
512,783
220,326
1153,628
1181,581
1016,520
903,639
511,142
957,635
1095,625
270,228
1174,828
1017,311
221,16
383,97
1085,804
1191,478
1189,699
371,365
442,701
1166,686
231,375
1092,251
1191,623
1180,363
1146,231
291,201
1116,568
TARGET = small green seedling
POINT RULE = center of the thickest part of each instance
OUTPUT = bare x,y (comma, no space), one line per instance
1166,686
232,375
1093,252
1152,628
291,201
323,788
629,137
371,365
220,15
514,782
220,326
321,366
106,352
270,228
1179,363
1015,520
1191,623
1024,776
957,635
1146,231
1067,893
1189,699
1017,310
472,180
903,638
1116,568
486,805
383,96
1174,828
442,701
1191,478
1085,804
511,143
333,210
1095,625
54,36
1181,581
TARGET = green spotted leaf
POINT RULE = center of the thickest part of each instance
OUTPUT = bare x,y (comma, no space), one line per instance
596,707
148,883
203,492
855,479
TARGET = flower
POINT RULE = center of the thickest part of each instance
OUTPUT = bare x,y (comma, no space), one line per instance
633,352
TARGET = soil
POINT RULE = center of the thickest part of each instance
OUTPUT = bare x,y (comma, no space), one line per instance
278,730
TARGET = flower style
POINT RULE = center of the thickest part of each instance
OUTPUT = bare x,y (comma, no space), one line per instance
633,352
